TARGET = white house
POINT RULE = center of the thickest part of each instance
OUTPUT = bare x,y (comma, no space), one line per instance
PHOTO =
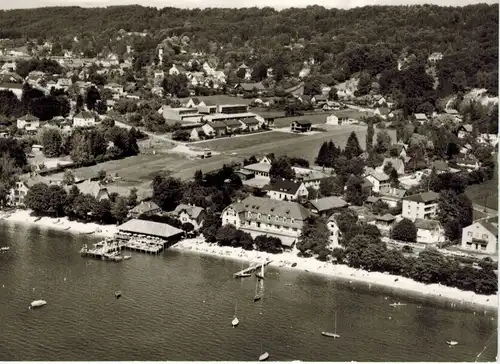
429,231
464,130
84,119
481,236
17,194
420,206
287,190
421,118
176,70
435,57
28,122
378,180
190,214
391,195
263,216
490,139
194,102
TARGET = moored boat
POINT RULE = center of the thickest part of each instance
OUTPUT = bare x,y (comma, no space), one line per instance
330,334
127,257
452,342
4,249
118,294
264,356
38,303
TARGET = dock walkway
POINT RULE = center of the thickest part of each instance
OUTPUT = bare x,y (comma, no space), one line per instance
110,249
251,269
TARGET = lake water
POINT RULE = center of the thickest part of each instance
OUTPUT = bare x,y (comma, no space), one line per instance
179,306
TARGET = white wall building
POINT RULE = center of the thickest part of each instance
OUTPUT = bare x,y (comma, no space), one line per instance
287,190
429,231
481,236
421,206
84,119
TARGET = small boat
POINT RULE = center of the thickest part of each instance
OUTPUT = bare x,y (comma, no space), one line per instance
334,333
4,249
452,343
263,356
294,265
235,321
242,275
38,303
257,297
118,294
127,257
117,258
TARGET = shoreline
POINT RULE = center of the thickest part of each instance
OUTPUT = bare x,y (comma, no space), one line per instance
20,216
387,282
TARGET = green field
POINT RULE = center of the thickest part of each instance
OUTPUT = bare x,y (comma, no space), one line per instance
245,141
485,194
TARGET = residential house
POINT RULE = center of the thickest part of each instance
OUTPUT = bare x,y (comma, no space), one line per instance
218,128
259,169
93,188
384,223
347,117
326,206
464,130
268,159
251,124
287,190
176,70
209,69
145,208
319,99
194,103
250,87
383,112
301,126
466,149
469,163
310,177
28,122
429,231
64,83
232,109
435,57
481,236
263,216
402,150
233,125
84,119
17,194
391,195
378,180
334,230
396,163
420,206
454,113
440,166
421,118
190,214
115,88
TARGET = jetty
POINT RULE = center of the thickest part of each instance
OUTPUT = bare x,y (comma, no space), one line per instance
251,269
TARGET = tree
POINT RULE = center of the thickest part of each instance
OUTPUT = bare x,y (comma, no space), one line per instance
355,193
369,137
119,209
167,192
281,168
210,227
198,177
314,237
102,211
268,244
51,142
383,142
331,186
454,212
8,170
352,148
68,177
405,230
132,197
240,73
92,98
227,235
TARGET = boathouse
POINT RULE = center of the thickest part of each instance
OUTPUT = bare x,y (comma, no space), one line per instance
151,228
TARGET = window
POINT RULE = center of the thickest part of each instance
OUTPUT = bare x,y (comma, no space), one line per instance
269,217
258,216
469,233
292,220
249,215
485,236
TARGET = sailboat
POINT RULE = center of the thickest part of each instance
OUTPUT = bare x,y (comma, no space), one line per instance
261,274
332,334
263,356
235,321
258,294
452,343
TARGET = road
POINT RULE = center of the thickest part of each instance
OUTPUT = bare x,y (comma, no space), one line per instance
484,209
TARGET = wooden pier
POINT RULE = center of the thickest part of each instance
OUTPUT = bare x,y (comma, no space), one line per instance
251,269
110,249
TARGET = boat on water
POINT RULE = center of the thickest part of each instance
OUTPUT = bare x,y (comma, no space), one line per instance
127,257
396,304
117,258
452,342
118,294
242,275
260,274
38,303
334,333
235,321
257,297
4,249
263,356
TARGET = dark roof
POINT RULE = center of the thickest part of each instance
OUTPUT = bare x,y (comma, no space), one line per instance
320,98
217,125
303,122
145,207
426,224
84,115
423,197
29,117
232,123
328,203
196,100
440,165
251,86
193,211
251,121
490,224
386,217
284,185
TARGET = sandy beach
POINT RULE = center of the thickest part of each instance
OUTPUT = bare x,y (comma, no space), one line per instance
63,223
285,260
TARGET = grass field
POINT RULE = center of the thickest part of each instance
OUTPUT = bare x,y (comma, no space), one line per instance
485,194
245,141
319,118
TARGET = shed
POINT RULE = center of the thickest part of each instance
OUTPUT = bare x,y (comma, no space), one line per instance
151,228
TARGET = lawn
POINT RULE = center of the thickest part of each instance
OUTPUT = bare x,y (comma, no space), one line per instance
317,118
485,194
245,141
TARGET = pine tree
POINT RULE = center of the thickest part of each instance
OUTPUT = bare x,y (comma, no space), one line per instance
369,137
352,148
321,158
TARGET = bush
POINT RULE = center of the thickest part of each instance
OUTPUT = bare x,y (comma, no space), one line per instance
405,230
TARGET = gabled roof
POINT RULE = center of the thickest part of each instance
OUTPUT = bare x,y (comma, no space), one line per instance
285,186
250,86
192,211
466,127
89,187
425,197
427,224
379,176
180,68
320,98
420,117
29,117
392,192
217,124
150,228
328,203
85,115
490,224
250,121
451,111
386,217
144,207
196,100
258,167
303,122
231,123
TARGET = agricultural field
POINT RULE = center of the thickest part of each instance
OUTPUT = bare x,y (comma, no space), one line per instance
317,118
245,141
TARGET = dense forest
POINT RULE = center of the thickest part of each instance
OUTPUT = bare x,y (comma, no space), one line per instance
367,42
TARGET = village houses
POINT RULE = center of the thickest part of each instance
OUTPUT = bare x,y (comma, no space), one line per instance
420,206
84,119
287,190
481,236
190,214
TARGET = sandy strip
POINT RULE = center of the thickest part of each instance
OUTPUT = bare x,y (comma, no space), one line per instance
62,224
313,265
